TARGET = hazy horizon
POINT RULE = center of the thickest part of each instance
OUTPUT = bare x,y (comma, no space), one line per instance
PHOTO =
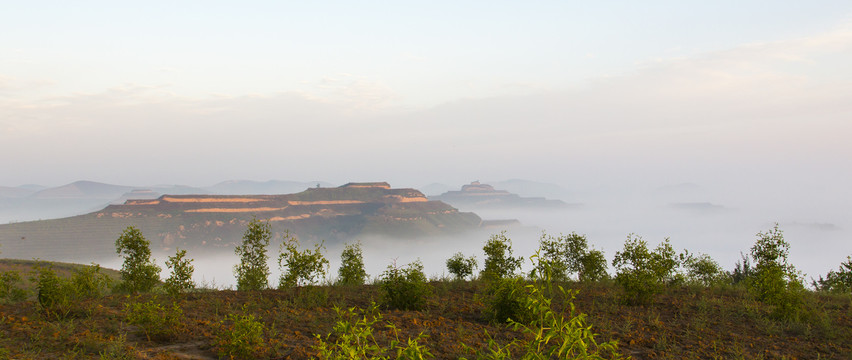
749,100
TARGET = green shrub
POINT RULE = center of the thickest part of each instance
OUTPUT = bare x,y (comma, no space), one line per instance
742,271
241,337
460,266
9,289
549,335
90,282
351,270
552,336
117,349
180,279
564,254
773,280
139,273
702,269
643,273
158,322
353,331
839,281
593,266
58,297
253,271
506,300
300,267
405,288
55,294
499,262
310,297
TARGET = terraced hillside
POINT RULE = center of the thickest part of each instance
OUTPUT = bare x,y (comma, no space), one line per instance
213,222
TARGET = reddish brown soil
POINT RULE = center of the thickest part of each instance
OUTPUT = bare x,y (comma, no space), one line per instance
682,323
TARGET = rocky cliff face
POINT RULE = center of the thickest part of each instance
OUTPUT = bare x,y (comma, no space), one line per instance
218,221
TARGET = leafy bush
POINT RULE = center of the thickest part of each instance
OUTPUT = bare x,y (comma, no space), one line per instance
253,271
460,266
9,290
773,280
181,278
117,349
139,273
300,267
641,272
405,288
499,262
702,269
554,336
351,270
157,321
839,281
241,337
90,282
58,296
355,340
742,270
549,335
55,294
563,254
593,266
506,300
566,255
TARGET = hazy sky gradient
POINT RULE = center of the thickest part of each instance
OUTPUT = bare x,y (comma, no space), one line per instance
750,100
416,92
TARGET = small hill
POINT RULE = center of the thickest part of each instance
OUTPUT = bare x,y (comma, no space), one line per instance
83,189
216,222
27,267
14,192
478,195
529,188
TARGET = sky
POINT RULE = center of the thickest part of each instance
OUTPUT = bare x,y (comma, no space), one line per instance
750,101
418,92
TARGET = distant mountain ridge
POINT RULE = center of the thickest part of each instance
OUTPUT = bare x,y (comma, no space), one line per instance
35,202
14,192
83,190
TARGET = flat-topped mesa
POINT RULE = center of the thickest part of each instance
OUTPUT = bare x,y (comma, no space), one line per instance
380,185
335,214
476,188
311,201
481,195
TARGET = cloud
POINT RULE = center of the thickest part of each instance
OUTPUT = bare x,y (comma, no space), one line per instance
754,103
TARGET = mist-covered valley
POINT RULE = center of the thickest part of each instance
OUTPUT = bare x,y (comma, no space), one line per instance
721,222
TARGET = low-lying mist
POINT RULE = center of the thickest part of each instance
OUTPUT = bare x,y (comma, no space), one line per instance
720,227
